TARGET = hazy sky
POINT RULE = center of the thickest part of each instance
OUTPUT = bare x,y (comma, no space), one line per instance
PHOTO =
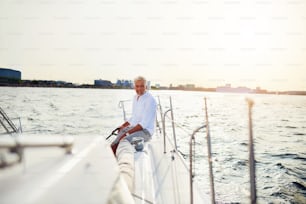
204,42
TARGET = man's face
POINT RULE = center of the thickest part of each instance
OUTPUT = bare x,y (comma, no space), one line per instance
140,87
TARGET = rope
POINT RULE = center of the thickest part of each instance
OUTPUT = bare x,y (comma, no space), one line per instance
141,198
179,125
181,128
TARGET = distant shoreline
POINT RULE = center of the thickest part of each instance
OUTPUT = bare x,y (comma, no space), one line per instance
179,88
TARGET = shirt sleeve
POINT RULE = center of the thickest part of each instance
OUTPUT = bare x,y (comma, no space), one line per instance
149,114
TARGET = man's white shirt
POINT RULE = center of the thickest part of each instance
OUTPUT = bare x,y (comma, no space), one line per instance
144,112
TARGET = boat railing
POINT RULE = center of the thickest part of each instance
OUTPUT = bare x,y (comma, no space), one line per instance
192,145
251,154
12,143
163,116
8,124
121,105
209,158
252,163
191,160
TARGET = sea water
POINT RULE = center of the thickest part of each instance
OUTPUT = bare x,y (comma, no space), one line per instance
279,131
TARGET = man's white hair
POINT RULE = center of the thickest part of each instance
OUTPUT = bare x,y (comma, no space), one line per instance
140,78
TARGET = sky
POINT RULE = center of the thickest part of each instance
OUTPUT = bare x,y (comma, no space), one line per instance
209,43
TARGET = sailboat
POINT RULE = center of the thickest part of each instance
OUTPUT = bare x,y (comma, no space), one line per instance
63,169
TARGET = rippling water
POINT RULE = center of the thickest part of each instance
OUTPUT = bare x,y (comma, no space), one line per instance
279,131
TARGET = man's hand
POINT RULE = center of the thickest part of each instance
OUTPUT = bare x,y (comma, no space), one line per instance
123,126
120,128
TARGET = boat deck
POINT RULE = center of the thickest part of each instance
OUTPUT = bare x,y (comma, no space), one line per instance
162,177
48,175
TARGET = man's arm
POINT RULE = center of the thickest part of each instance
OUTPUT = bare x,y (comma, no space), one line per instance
135,129
125,124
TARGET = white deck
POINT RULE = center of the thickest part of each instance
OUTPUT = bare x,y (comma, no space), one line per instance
163,178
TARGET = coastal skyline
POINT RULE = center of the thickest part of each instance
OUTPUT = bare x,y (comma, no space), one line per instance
206,43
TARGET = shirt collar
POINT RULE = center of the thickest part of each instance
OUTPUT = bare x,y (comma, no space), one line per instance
138,96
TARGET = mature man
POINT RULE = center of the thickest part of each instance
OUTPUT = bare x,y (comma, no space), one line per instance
142,121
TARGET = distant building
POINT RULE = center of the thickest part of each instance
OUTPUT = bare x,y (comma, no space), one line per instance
228,88
46,83
190,86
148,85
261,91
103,83
124,83
9,76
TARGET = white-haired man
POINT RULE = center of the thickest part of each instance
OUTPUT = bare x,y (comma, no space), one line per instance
142,121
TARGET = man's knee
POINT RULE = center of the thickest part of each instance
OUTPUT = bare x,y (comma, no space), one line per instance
142,133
